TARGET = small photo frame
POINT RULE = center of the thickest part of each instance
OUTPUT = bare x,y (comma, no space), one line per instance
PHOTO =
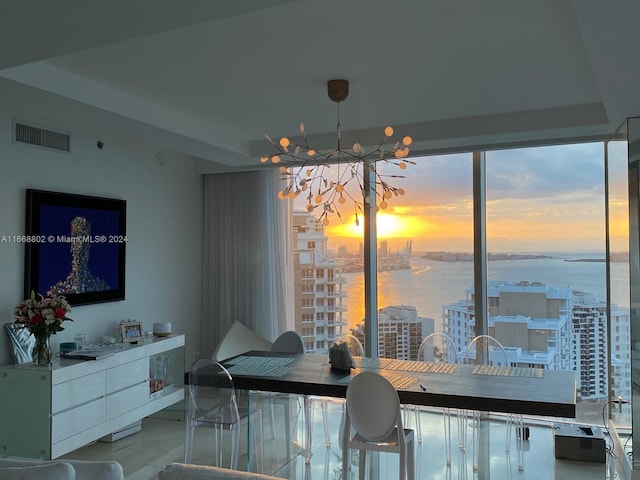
131,331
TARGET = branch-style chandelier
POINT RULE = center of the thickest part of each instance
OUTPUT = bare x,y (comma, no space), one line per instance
307,169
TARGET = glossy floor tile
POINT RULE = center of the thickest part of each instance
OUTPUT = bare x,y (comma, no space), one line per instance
161,441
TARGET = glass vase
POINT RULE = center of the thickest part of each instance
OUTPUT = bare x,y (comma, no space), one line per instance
42,350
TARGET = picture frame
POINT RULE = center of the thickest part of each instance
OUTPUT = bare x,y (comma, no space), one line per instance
75,245
131,331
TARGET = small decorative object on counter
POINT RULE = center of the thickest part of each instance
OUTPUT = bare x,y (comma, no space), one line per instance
162,329
42,316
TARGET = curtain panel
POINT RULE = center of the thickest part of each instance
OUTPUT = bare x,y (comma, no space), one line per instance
246,261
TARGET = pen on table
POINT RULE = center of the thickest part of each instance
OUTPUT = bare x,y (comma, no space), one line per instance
424,389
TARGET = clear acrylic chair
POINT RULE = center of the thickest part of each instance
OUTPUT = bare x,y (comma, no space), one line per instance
287,342
377,424
437,348
357,350
487,350
213,404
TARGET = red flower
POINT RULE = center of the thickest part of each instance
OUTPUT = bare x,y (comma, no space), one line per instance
37,319
60,312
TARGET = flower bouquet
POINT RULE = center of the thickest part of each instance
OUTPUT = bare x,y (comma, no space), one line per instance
43,317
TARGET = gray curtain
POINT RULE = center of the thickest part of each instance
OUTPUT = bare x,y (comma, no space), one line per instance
246,256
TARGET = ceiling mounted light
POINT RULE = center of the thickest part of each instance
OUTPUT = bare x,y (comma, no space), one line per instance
307,169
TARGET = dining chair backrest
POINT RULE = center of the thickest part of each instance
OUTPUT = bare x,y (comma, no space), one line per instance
438,347
355,346
373,420
486,350
211,393
288,342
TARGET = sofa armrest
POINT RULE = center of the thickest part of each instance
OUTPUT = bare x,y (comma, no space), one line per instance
84,469
48,470
97,469
182,471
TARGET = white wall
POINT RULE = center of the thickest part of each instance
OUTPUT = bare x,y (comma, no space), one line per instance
164,222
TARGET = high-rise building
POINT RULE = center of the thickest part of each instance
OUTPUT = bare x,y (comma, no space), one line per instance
551,328
590,345
400,332
531,320
620,353
318,292
383,249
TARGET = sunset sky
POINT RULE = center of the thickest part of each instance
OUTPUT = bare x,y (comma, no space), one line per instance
540,199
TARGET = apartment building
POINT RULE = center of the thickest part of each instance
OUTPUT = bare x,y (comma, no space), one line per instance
551,328
400,332
318,285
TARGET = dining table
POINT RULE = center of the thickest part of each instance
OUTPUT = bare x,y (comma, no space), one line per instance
505,389
518,390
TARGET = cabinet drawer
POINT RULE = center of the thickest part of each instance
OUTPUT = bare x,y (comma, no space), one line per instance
78,391
126,375
127,400
76,420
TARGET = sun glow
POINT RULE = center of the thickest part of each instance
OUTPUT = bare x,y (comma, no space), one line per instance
388,226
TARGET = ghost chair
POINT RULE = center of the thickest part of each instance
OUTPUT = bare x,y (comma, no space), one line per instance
377,424
212,404
287,342
356,350
437,348
487,350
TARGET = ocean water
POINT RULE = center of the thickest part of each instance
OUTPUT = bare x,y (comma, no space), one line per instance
430,284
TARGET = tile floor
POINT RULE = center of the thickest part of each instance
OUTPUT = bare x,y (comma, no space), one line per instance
161,441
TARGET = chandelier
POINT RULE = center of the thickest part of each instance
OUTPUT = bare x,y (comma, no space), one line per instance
324,176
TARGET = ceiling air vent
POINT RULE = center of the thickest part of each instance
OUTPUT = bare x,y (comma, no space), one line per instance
41,137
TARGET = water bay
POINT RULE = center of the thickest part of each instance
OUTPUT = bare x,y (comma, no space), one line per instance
429,284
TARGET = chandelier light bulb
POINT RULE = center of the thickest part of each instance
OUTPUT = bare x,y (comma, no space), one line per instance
388,132
285,142
276,159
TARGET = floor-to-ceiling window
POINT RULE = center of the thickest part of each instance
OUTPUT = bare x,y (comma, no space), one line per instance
546,263
545,256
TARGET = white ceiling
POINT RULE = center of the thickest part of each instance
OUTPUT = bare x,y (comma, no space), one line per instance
209,78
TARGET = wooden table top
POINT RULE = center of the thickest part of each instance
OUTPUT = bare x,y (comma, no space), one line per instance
510,390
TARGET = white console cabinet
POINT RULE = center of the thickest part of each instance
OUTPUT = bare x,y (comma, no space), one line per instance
46,412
